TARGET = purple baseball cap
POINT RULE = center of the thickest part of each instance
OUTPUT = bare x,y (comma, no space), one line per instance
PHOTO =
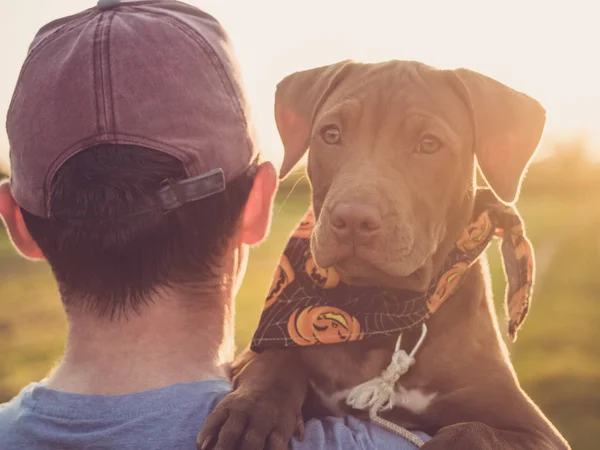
153,73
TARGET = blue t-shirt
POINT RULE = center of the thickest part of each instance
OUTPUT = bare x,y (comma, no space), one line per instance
168,418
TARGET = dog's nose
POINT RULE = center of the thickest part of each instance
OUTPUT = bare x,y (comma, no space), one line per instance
356,222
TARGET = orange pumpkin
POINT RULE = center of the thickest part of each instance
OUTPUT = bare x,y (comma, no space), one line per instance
284,275
324,278
475,233
323,325
446,286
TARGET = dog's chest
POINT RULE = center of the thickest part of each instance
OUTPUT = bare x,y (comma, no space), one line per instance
336,370
415,400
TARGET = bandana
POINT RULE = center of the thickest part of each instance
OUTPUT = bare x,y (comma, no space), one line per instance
308,305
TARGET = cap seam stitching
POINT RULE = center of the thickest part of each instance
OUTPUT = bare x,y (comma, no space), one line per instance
95,75
110,80
36,50
102,76
217,65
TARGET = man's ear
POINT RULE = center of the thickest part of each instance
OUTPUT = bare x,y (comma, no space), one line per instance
258,211
508,127
297,100
17,230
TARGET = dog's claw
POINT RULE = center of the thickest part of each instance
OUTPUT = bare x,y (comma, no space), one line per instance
204,444
299,432
248,422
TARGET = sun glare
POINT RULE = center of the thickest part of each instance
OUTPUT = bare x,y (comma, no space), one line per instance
540,48
544,49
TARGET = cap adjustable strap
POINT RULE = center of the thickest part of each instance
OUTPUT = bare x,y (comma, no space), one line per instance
177,193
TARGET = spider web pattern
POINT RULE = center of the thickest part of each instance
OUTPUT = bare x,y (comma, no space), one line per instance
379,310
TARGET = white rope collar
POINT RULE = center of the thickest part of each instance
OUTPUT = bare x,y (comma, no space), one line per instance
378,394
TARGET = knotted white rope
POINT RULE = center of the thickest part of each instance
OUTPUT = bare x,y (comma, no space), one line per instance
378,394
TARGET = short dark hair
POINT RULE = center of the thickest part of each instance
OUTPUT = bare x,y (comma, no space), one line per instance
114,261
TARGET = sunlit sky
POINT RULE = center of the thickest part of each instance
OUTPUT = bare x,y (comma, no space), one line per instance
550,50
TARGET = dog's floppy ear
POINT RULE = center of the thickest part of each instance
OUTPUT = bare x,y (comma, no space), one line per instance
508,127
297,100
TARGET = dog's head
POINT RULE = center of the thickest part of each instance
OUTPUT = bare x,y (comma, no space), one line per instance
393,152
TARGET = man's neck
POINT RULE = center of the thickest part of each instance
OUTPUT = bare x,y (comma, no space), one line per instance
179,339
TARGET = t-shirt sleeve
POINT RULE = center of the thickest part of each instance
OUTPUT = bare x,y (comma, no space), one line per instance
349,433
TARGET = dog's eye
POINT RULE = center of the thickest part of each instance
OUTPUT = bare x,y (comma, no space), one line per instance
331,134
429,144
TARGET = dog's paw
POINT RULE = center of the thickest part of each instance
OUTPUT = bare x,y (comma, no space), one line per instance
251,422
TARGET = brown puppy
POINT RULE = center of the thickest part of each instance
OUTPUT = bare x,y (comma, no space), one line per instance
393,153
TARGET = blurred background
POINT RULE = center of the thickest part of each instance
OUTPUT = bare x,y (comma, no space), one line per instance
546,50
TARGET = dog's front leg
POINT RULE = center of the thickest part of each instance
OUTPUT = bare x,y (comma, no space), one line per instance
493,415
479,436
265,408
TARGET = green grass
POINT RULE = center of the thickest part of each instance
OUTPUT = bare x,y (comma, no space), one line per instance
556,355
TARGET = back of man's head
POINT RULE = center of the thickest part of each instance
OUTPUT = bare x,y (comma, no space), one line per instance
132,155
105,254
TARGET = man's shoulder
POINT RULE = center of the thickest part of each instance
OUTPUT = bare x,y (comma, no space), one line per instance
40,418
12,407
11,413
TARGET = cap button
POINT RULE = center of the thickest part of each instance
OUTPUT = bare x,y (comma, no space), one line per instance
107,4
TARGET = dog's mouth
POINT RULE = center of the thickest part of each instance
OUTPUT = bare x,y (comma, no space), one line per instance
395,261
362,273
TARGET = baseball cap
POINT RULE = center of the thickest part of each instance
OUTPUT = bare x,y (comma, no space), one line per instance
153,73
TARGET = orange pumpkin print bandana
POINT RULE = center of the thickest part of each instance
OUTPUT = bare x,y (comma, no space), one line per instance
308,305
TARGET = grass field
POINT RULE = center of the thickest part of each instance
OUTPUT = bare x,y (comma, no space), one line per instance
557,356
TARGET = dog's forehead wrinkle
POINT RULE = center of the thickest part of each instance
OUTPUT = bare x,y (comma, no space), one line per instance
335,109
383,123
409,85
407,92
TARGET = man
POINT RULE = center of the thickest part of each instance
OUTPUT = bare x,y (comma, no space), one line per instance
135,174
